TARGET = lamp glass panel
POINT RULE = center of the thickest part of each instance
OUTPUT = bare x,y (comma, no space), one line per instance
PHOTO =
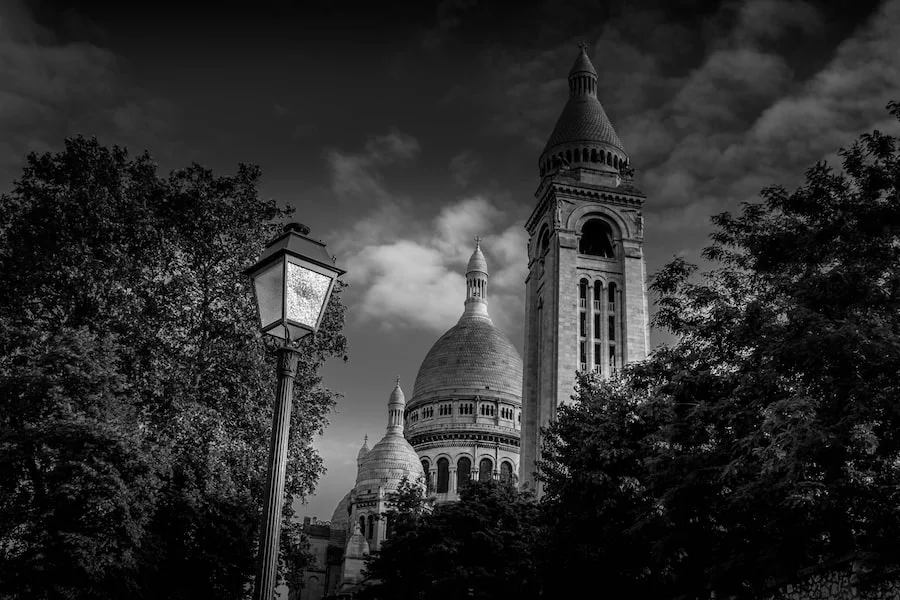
306,293
269,287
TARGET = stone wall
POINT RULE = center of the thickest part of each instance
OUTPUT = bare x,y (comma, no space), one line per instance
837,585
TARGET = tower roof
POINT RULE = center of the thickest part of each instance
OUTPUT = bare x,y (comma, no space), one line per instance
583,118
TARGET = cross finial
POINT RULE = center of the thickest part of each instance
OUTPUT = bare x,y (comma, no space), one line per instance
398,381
366,439
477,242
584,47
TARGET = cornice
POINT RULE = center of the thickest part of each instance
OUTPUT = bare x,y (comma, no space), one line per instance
548,191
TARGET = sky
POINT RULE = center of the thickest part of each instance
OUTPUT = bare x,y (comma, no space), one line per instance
399,132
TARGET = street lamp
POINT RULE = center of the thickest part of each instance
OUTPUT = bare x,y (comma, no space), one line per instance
292,281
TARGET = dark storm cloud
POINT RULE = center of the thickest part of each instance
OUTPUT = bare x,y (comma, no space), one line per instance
711,114
53,85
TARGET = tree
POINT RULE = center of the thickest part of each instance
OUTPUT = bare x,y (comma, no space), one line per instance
478,547
766,440
136,393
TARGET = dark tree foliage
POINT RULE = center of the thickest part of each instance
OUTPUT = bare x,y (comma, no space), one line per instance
767,440
478,547
135,392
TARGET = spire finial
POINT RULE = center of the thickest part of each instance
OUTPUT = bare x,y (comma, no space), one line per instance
477,242
398,381
366,439
584,47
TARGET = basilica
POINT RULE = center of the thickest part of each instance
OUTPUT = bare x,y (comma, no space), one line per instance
477,408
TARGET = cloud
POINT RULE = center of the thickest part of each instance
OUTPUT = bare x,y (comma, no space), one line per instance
50,89
356,176
447,19
463,166
711,117
417,280
409,266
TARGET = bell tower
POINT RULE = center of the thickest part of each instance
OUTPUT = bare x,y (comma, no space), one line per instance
585,292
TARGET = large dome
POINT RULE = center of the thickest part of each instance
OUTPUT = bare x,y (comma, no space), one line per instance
341,515
472,355
386,464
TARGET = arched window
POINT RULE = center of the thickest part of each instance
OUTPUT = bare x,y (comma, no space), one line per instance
594,155
544,240
426,466
485,470
463,472
443,475
616,161
584,154
609,158
362,525
506,471
371,534
596,239
582,289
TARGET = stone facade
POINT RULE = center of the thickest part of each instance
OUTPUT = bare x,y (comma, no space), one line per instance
357,527
585,293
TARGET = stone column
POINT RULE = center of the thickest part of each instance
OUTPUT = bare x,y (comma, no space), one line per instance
589,330
604,330
452,486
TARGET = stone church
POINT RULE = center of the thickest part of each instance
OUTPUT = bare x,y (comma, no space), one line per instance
476,410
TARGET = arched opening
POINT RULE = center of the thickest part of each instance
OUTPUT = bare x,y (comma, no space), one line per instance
362,525
371,533
568,156
609,158
616,161
388,526
544,241
485,469
585,156
506,471
426,467
443,475
596,239
594,155
463,472
582,289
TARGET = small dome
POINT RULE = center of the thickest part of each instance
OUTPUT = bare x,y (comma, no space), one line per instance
387,463
477,262
397,395
474,355
363,450
341,515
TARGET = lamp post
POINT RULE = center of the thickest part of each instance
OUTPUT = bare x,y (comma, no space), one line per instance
292,282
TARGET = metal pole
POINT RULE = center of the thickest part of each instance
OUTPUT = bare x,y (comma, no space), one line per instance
270,530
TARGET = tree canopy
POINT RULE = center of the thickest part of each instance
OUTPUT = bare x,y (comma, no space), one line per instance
478,547
765,441
135,392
